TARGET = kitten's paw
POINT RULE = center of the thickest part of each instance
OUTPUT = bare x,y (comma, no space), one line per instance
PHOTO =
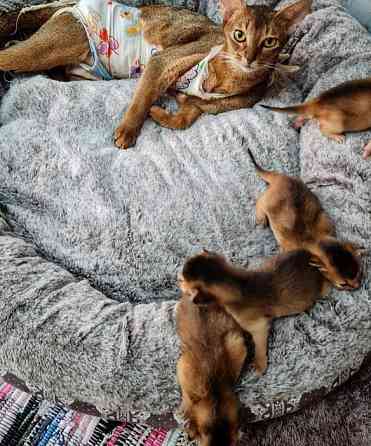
191,431
339,138
299,122
125,137
366,151
260,366
261,220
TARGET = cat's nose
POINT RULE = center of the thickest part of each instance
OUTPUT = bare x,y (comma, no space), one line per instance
244,61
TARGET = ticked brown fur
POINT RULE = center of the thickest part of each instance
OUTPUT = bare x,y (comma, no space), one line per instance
285,285
344,108
298,221
242,69
213,352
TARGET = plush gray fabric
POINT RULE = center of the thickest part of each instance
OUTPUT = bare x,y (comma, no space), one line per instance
343,418
122,224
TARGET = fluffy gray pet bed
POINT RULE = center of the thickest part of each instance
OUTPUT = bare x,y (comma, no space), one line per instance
96,236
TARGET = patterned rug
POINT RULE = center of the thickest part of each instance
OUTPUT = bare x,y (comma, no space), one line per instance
342,418
27,420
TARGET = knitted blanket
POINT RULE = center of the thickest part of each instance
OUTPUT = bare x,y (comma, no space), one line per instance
342,418
94,237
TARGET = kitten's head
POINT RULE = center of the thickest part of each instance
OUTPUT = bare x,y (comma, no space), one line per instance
340,263
200,272
209,277
255,35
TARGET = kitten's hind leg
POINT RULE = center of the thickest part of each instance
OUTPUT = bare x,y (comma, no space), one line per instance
183,118
61,41
260,209
331,125
236,348
367,151
259,331
299,122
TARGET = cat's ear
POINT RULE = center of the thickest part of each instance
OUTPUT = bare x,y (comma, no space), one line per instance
228,7
294,13
199,297
357,250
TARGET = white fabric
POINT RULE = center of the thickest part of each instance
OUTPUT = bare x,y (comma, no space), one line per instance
191,83
116,38
119,49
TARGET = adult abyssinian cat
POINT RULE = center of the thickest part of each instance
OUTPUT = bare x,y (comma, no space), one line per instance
225,67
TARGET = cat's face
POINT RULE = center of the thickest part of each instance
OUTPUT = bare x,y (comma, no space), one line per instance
341,264
255,35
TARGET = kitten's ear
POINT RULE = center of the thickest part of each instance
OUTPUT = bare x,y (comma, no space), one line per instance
228,7
199,298
360,252
357,250
294,13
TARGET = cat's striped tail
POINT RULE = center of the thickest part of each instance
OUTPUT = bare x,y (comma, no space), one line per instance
297,109
267,175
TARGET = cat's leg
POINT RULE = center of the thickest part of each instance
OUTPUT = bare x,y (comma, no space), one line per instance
332,127
231,103
299,121
261,215
192,108
259,330
161,72
367,151
59,42
185,375
183,118
236,348
27,21
257,324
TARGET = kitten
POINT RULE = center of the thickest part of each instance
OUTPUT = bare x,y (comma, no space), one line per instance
236,58
213,352
285,285
344,108
298,221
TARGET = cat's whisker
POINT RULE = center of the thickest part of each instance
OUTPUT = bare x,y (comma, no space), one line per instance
279,68
235,62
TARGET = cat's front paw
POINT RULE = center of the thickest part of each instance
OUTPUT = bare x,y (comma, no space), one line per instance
260,366
125,136
161,116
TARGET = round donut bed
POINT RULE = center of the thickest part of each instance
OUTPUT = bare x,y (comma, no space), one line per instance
92,238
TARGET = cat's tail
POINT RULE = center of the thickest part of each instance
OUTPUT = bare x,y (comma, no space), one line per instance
267,175
305,109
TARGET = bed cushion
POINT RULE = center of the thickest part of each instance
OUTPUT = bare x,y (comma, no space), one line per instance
97,235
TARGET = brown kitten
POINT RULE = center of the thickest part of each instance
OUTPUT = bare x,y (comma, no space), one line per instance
252,38
285,285
344,108
298,221
213,352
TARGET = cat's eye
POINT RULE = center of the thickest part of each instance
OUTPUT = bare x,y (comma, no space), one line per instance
239,35
270,42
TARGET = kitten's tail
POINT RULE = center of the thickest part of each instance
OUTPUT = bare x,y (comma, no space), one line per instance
300,109
267,175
